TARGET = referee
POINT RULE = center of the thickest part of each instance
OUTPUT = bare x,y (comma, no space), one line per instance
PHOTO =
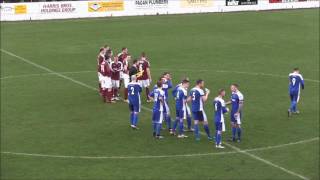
134,68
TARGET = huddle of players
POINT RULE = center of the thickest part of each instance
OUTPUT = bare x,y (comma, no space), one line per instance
197,96
115,70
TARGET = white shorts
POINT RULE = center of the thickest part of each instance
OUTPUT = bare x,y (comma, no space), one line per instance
186,111
238,119
115,83
125,78
223,126
106,82
144,83
100,77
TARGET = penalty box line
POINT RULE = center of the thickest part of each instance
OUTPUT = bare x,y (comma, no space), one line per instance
148,109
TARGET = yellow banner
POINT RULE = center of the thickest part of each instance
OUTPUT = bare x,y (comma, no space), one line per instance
196,3
104,6
20,9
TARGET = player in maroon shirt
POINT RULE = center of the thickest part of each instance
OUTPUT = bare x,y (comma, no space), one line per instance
116,67
122,58
106,83
100,59
145,79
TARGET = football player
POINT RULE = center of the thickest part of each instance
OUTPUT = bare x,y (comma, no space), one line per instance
181,97
219,109
296,83
187,113
236,111
116,67
100,59
134,90
145,79
197,96
106,83
157,114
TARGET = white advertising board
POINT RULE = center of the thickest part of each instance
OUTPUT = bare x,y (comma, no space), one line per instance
105,8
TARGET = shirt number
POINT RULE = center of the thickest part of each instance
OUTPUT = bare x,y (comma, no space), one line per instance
132,91
193,96
293,81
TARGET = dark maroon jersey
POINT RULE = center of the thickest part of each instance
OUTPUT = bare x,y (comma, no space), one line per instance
143,66
105,69
116,68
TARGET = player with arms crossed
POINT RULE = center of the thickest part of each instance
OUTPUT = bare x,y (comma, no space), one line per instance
296,83
116,67
157,114
197,96
134,90
219,110
236,111
145,79
181,101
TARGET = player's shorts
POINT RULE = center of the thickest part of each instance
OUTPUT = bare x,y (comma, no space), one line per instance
106,82
126,79
180,113
100,77
157,116
236,119
295,96
218,126
144,83
199,115
115,83
135,107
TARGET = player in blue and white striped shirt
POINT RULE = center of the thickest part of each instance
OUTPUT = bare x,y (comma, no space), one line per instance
158,96
197,96
219,110
166,85
296,83
187,113
236,111
181,107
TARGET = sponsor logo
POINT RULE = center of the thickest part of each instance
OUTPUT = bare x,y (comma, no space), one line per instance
104,6
49,8
20,9
151,4
241,2
285,1
196,3
6,9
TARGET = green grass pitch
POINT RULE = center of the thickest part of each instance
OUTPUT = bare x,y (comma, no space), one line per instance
63,130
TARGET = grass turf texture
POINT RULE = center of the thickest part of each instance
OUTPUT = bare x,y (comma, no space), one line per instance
47,114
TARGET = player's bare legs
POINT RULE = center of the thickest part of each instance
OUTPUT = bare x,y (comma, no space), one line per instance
147,94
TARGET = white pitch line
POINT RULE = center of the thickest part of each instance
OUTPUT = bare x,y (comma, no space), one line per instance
92,88
44,74
160,156
282,145
47,69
